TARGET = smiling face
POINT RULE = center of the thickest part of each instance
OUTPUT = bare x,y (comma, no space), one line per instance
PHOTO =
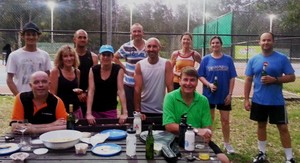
106,58
188,80
186,41
68,59
137,32
30,37
39,84
80,38
266,42
215,45
153,47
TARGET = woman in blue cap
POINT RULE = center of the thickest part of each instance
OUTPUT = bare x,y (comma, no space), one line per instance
105,84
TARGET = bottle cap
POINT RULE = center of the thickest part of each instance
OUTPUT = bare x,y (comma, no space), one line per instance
131,131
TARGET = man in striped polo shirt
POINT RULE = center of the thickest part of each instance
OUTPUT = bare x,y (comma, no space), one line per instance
132,51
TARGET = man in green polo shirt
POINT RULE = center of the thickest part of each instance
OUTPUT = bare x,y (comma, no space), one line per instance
186,100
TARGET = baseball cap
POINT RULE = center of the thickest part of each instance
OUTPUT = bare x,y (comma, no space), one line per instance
31,26
106,48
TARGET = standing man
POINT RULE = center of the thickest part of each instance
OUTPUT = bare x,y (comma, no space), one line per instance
26,60
133,51
268,101
87,60
152,76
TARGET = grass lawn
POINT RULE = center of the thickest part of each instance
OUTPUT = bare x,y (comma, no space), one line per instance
243,131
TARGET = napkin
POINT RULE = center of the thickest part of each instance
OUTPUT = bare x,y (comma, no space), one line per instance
96,139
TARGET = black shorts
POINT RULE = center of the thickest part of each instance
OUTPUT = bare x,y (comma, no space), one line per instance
220,107
275,113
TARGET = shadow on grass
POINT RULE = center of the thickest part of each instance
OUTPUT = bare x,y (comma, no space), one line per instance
238,158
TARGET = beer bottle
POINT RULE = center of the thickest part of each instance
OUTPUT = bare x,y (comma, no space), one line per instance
182,130
215,83
150,144
71,118
264,72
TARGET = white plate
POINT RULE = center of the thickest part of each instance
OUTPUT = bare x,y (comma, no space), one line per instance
13,147
40,151
19,156
36,141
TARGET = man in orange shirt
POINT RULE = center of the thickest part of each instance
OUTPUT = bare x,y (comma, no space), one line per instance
43,110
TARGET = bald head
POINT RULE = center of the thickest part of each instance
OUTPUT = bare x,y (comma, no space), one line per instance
151,40
80,31
39,83
38,74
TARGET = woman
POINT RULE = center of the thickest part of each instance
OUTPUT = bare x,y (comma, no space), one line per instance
218,65
184,57
65,78
105,83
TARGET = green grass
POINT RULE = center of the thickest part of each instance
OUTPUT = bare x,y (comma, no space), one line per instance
243,131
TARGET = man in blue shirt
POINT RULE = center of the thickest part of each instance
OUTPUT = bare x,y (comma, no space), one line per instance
268,101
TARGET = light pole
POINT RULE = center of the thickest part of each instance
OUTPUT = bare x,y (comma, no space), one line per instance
271,16
131,8
51,5
188,18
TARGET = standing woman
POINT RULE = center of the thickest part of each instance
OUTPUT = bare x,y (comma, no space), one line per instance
65,77
220,65
105,84
186,56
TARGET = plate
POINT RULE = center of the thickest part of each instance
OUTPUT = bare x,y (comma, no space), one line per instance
13,148
115,134
19,156
40,151
106,149
36,141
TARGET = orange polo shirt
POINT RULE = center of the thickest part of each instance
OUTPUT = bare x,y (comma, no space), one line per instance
18,110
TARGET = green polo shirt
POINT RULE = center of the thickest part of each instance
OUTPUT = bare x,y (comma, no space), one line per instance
198,113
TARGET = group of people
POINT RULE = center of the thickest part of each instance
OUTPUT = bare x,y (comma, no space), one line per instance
147,83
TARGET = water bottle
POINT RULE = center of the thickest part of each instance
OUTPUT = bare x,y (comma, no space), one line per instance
189,139
137,122
131,143
182,130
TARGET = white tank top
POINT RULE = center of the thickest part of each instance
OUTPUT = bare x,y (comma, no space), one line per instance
154,85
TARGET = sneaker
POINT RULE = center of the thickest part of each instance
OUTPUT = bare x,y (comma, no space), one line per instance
292,160
229,149
260,157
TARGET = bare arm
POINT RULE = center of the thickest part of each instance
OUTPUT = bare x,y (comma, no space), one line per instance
173,63
10,83
41,128
283,79
121,94
247,90
54,74
231,86
173,128
95,58
138,87
206,83
197,57
116,59
90,99
169,76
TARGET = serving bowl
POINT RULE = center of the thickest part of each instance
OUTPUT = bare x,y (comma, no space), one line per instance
61,139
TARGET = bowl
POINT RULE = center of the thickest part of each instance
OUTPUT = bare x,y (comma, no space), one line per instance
61,139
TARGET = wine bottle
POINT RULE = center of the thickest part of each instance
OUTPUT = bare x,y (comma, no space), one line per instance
150,144
71,118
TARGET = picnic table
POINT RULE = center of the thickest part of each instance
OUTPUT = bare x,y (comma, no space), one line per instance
69,155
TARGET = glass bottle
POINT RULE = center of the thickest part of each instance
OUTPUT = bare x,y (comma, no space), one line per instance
182,130
150,144
189,139
215,83
137,122
131,143
71,118
264,72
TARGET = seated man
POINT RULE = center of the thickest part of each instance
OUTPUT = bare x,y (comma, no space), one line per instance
186,100
44,111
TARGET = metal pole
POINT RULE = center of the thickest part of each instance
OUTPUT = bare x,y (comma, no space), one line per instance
271,23
52,24
131,8
109,23
188,18
204,27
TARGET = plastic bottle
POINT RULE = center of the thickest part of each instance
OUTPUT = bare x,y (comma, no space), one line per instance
131,143
189,139
137,122
182,130
71,118
150,144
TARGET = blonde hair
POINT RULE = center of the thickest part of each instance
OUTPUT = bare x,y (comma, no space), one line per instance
58,61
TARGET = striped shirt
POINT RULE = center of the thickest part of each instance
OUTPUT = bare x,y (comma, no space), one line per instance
132,55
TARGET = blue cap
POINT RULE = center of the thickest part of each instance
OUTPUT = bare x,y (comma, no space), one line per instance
31,26
106,48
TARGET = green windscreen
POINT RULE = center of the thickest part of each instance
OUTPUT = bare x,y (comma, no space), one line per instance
219,26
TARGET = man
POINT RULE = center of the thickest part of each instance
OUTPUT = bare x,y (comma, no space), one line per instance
186,100
152,76
268,101
87,60
44,111
26,60
133,51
